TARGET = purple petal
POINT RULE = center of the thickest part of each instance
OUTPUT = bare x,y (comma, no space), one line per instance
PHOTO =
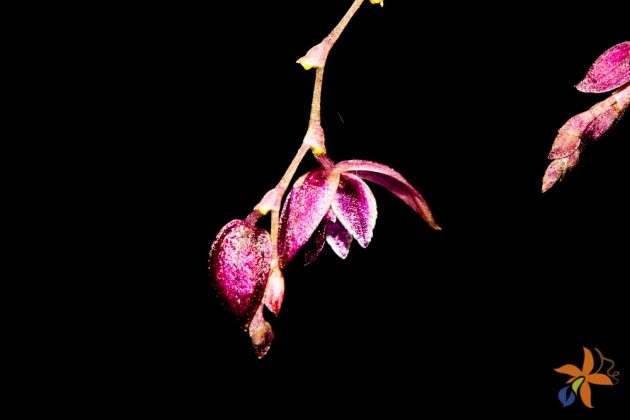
558,168
355,207
314,246
238,266
260,333
601,124
305,206
339,239
609,71
393,181
588,125
622,97
606,113
570,136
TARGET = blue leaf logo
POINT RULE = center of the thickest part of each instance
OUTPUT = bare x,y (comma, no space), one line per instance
566,396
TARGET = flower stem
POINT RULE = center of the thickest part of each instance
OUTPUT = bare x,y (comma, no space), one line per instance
313,140
334,34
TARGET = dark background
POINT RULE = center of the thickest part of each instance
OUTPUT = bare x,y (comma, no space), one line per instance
465,102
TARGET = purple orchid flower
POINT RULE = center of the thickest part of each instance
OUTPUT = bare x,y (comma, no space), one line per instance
610,71
334,205
239,262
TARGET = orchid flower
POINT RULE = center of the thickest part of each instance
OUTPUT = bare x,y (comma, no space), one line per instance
335,204
610,71
240,263
331,204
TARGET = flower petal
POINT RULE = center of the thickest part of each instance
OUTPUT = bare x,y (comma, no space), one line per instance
339,239
606,113
314,246
393,181
238,265
599,379
570,135
585,394
303,210
575,385
609,71
260,333
559,168
601,124
588,364
570,370
566,396
355,207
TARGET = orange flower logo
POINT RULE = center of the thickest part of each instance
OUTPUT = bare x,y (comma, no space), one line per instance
582,379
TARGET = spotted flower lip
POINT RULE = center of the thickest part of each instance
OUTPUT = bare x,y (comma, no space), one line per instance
335,205
610,71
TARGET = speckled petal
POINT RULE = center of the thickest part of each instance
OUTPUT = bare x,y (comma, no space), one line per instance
393,181
303,210
559,168
355,207
606,113
570,136
609,71
314,246
589,125
260,333
339,239
601,124
238,266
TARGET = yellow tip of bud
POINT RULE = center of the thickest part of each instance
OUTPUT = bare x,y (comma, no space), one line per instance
377,2
318,150
306,66
262,211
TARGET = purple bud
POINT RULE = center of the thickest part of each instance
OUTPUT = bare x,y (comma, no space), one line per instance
575,134
303,210
609,71
274,293
570,136
260,333
558,168
238,266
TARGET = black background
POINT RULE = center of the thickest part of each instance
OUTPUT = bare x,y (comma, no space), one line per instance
465,102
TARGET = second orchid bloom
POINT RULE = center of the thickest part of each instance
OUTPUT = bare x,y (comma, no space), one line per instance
610,71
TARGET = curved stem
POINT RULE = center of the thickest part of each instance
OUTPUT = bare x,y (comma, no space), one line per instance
313,140
334,34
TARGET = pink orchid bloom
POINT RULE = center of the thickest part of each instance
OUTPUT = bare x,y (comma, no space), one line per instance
335,205
332,204
610,71
239,264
